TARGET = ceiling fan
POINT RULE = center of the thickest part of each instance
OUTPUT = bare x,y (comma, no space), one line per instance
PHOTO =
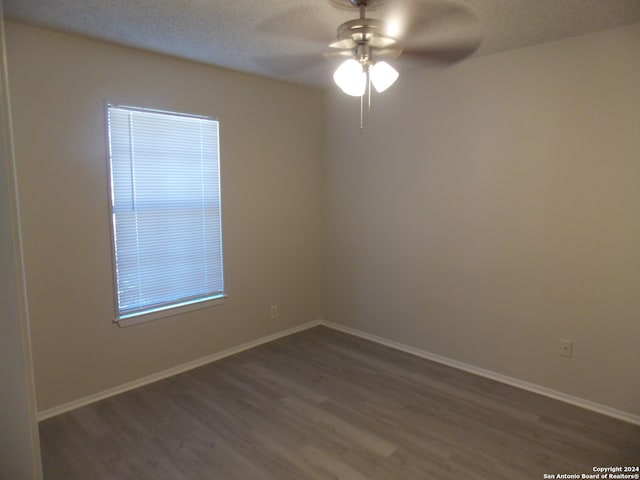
367,44
372,50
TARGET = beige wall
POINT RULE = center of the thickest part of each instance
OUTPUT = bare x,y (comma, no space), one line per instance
272,144
19,443
489,210
492,208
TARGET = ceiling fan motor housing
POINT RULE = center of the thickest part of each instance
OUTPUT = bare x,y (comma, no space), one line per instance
361,29
364,36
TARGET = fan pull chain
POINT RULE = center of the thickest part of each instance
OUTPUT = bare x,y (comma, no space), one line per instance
369,91
368,94
361,113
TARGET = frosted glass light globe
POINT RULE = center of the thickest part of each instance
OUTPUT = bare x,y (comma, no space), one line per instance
350,77
383,76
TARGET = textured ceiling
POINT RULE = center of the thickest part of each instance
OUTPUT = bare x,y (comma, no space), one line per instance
286,38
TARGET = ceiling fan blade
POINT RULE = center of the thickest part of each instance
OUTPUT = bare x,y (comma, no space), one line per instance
338,54
440,55
303,23
387,52
419,24
382,42
346,43
289,64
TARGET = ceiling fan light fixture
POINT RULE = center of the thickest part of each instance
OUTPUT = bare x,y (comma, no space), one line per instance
383,76
351,78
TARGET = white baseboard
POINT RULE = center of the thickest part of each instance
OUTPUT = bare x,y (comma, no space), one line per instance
532,387
81,402
515,382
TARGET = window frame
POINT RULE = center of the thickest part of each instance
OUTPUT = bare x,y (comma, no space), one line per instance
169,309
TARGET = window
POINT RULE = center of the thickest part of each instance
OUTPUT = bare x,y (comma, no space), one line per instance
166,215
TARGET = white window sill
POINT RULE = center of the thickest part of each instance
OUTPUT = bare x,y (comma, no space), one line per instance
169,311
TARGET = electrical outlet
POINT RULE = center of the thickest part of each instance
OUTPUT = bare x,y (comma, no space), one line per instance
273,311
566,348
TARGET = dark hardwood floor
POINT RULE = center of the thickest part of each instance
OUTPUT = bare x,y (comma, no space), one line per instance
326,405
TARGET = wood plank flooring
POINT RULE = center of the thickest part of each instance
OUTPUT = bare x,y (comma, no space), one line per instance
322,404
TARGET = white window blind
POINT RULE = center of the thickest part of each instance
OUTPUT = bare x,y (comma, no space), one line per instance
166,215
